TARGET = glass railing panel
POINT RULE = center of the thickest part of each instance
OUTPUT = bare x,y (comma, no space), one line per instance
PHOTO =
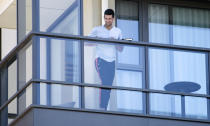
12,79
114,64
196,107
59,59
59,95
25,65
178,71
165,105
113,100
17,106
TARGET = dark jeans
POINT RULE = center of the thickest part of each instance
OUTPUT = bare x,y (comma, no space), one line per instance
106,71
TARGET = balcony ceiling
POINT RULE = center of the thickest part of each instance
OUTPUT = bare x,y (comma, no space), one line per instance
8,14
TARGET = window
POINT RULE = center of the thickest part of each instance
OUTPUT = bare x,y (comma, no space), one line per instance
127,13
60,16
179,25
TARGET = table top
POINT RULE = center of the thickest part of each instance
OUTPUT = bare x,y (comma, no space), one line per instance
182,86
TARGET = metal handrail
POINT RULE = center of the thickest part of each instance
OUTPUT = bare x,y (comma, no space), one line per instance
26,40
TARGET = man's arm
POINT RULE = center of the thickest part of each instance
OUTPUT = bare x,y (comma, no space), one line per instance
93,33
119,47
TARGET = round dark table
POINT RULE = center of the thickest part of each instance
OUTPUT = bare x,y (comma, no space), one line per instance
182,86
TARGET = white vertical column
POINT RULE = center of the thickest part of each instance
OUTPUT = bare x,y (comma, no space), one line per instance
104,6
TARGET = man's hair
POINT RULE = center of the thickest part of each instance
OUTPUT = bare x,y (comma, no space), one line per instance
109,12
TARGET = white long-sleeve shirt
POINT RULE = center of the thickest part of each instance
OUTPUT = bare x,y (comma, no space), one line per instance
106,51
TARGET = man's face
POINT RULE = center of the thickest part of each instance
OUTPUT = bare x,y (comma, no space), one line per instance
108,20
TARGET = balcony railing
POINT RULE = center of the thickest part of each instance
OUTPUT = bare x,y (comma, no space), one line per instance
58,70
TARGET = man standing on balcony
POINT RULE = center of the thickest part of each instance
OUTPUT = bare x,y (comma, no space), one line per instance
106,54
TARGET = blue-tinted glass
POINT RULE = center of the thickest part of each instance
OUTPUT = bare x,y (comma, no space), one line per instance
190,26
164,104
178,70
60,16
59,59
59,95
128,78
128,18
113,100
159,24
129,28
130,55
196,107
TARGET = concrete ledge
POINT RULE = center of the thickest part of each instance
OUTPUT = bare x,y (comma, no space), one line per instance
42,116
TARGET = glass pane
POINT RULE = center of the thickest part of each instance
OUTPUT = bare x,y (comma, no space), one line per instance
191,27
164,104
59,59
128,78
196,107
179,71
129,28
12,79
8,40
188,26
113,100
60,16
159,24
101,67
25,65
128,18
18,105
10,120
130,55
12,89
59,95
25,99
28,16
12,110
12,107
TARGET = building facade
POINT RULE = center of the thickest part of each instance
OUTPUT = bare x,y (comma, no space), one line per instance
47,68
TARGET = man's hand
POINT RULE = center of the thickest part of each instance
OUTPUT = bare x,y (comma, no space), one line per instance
90,44
119,48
